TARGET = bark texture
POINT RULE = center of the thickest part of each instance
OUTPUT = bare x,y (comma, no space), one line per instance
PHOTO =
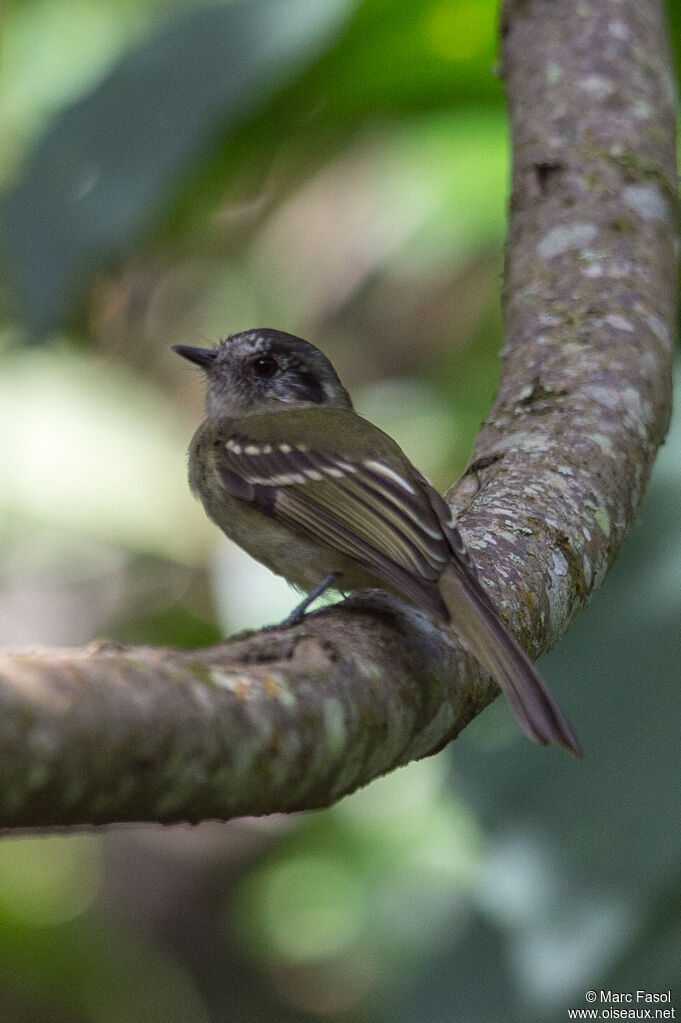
295,718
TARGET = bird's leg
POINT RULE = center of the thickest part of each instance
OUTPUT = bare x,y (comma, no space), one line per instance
298,612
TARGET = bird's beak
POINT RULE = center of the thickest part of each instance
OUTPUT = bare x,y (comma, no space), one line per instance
203,357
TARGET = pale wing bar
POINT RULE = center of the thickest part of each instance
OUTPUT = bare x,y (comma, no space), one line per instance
359,503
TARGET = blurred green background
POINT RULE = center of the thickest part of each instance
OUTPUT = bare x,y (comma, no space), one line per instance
173,172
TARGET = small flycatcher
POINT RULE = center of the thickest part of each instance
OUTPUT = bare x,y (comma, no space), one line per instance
287,469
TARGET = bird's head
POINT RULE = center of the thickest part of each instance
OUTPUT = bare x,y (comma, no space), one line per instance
265,370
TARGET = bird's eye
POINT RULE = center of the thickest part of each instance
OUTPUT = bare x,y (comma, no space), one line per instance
265,366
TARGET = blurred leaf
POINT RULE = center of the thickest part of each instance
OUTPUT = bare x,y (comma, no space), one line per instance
476,987
96,451
654,954
408,197
98,972
407,56
104,170
674,19
310,906
173,626
52,51
49,880
394,61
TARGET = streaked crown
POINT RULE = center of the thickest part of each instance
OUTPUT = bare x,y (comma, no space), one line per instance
266,370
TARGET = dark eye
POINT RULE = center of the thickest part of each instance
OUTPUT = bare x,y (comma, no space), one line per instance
265,366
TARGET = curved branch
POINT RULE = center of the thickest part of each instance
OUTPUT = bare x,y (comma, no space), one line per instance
295,718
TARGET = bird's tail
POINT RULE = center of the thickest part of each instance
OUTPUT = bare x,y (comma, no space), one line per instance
475,620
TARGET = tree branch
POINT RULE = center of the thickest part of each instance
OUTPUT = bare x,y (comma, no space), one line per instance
295,718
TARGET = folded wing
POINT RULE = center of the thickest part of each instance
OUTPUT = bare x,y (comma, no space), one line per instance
365,507
390,519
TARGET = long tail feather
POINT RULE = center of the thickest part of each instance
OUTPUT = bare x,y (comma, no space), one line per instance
475,620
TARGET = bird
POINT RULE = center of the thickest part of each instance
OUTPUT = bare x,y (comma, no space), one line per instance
287,469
